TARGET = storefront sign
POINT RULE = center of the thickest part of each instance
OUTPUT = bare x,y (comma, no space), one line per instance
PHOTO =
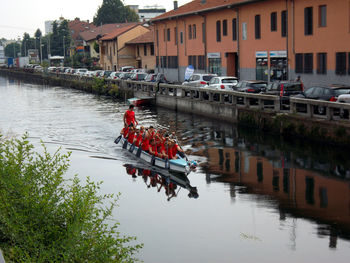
213,55
261,54
278,54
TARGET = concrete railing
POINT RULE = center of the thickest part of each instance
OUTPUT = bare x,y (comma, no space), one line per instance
312,109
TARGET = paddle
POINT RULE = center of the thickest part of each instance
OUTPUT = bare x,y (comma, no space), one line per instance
138,154
125,144
153,160
132,147
167,166
116,141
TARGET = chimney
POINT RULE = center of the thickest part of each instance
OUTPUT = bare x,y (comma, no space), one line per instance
175,5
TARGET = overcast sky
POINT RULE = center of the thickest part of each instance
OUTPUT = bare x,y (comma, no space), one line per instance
19,16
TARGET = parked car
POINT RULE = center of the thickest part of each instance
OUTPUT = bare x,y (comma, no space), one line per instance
125,75
251,86
199,80
126,68
138,76
151,77
285,89
223,83
38,69
114,75
106,73
328,93
51,69
80,71
138,70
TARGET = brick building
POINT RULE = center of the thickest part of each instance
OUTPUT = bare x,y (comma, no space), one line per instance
257,39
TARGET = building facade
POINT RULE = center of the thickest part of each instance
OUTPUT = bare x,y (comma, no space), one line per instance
257,39
114,53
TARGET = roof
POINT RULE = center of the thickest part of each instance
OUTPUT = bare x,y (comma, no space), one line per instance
102,30
145,38
118,31
199,6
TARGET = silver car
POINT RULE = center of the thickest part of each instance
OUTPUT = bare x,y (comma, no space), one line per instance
223,83
199,80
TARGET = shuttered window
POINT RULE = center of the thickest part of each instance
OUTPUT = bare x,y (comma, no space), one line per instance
284,23
234,29
218,31
322,63
274,21
257,27
224,27
299,63
308,21
308,62
340,63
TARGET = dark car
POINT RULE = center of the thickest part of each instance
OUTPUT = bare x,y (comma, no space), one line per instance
328,93
284,89
251,86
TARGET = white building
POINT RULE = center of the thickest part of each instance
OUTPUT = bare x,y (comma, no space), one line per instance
2,55
48,25
147,12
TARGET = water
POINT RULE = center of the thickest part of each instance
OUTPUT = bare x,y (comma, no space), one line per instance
255,197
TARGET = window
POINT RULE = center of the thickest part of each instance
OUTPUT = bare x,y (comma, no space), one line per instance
257,27
308,21
244,31
224,27
322,16
175,35
349,63
322,63
203,32
299,63
234,29
163,60
157,37
138,50
218,31
194,31
201,62
274,21
340,63
192,60
168,34
284,23
181,37
308,62
144,49
190,32
164,32
152,49
157,61
172,62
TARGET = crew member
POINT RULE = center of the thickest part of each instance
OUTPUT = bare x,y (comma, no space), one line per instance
129,116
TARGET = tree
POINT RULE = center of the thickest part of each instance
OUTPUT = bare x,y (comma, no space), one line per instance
12,50
114,11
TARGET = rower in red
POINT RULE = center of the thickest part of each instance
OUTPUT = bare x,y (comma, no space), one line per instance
129,117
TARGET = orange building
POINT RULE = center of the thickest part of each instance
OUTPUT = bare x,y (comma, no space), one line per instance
257,39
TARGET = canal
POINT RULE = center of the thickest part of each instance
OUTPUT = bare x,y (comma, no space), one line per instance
254,196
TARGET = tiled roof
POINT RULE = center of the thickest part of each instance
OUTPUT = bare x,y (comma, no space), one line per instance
145,38
102,30
201,6
116,32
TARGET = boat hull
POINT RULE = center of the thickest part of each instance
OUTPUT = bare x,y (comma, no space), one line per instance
179,165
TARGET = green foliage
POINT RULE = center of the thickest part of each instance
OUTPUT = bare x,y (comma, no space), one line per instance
99,86
96,47
114,91
45,218
60,38
114,11
11,50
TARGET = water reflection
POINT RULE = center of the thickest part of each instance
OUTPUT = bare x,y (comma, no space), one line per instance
169,183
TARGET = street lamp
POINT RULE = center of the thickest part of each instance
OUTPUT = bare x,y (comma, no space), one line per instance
64,53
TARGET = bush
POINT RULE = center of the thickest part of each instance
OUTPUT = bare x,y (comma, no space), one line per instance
45,218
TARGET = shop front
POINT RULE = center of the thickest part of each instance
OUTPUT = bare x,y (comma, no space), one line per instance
262,71
214,60
278,65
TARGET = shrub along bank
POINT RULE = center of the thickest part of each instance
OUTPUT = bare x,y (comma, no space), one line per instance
46,218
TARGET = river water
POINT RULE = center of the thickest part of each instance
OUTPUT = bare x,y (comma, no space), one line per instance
254,197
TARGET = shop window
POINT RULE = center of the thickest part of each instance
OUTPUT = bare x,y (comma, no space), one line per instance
322,63
308,21
261,69
340,63
284,23
234,29
257,27
215,66
278,68
299,63
274,21
218,31
224,27
308,63
322,16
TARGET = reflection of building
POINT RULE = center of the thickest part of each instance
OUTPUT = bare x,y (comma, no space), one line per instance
300,191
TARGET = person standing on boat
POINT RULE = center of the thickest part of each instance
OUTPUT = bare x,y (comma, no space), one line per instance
129,117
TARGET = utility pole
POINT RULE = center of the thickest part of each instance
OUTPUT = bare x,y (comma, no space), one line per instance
41,52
